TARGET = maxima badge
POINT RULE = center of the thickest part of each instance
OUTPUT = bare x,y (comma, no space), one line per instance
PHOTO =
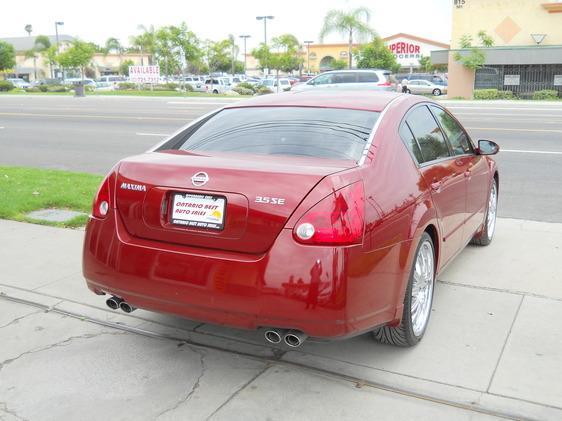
200,179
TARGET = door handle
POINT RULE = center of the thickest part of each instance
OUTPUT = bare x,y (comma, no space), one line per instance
468,173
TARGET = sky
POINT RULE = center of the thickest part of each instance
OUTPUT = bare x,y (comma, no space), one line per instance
98,20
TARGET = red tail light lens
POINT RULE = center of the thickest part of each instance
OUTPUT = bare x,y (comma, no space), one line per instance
336,220
387,83
102,201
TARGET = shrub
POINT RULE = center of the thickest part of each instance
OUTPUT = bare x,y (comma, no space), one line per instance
57,88
126,86
187,87
6,85
492,94
43,88
263,90
89,88
243,91
545,94
166,87
247,85
33,89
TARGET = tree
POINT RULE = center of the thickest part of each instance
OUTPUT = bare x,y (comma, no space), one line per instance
78,56
354,23
145,42
40,44
375,55
338,64
475,57
113,44
7,56
285,58
124,67
219,55
50,55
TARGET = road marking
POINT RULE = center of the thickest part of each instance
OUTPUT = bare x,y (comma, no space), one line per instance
2,127
152,134
510,115
107,117
539,152
514,130
198,103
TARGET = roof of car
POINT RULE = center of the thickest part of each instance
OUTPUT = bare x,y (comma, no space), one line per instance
328,98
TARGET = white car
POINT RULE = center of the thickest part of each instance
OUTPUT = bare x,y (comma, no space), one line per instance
195,83
420,86
375,79
109,82
217,85
18,82
283,85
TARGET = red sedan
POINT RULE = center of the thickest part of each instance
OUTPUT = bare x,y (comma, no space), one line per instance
322,214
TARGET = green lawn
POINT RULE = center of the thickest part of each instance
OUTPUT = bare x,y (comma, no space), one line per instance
23,190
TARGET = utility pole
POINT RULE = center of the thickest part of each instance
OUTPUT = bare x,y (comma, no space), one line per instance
308,55
57,24
244,37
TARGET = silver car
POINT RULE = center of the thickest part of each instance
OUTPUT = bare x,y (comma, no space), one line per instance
350,79
420,86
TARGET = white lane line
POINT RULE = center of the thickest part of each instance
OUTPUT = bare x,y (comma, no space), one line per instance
198,103
538,152
2,127
153,134
512,115
505,129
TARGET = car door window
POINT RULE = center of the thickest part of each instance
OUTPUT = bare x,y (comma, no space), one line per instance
323,79
410,142
344,78
428,134
368,77
458,138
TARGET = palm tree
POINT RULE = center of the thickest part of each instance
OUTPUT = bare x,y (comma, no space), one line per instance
353,23
145,42
234,52
113,44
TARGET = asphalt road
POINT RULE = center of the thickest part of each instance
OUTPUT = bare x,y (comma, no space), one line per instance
91,134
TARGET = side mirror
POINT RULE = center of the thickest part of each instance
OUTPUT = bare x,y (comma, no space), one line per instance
487,147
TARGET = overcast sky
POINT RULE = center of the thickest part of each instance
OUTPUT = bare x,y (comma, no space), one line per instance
97,20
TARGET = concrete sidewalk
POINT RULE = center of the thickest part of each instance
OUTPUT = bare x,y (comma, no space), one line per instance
493,348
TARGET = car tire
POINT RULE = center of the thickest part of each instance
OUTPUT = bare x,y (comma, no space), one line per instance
437,92
408,91
422,283
215,91
485,236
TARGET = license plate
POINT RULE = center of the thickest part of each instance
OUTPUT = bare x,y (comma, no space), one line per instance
198,210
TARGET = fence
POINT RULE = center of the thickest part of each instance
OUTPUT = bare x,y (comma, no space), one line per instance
522,80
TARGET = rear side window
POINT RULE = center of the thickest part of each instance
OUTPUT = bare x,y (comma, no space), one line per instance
410,142
428,134
306,131
366,77
456,135
344,78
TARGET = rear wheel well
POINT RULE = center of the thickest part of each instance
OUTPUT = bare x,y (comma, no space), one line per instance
432,231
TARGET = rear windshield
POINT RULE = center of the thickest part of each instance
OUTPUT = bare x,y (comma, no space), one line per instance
317,132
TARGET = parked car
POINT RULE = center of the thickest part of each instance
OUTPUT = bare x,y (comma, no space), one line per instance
277,85
217,85
46,82
350,79
109,82
425,87
19,82
195,83
438,79
325,214
74,80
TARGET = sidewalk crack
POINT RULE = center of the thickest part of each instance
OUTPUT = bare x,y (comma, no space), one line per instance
244,386
505,344
4,408
17,319
195,386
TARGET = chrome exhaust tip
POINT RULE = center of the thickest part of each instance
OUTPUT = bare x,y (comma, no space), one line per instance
274,336
295,338
113,302
126,307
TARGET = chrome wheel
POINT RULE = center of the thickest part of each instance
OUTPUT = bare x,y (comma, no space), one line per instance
492,210
422,288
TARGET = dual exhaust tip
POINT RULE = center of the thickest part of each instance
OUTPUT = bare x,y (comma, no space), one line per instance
115,302
292,338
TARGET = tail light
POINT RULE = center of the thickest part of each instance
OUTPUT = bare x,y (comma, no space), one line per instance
102,201
387,83
338,219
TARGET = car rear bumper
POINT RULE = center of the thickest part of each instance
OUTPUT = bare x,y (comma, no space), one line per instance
291,286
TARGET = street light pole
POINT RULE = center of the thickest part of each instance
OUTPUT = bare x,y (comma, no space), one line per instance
308,55
244,37
265,19
57,24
